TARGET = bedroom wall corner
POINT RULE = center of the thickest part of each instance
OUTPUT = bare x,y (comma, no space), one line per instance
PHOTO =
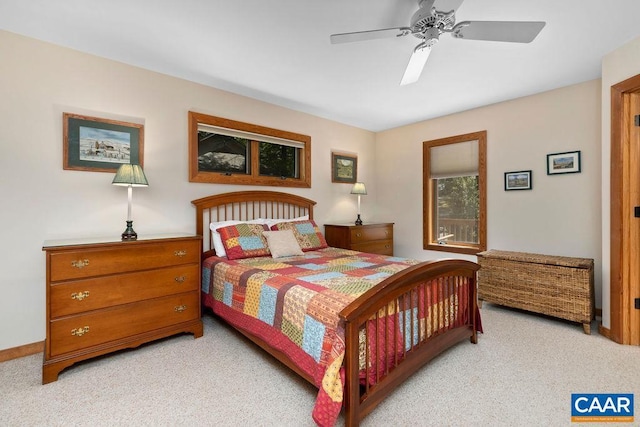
561,215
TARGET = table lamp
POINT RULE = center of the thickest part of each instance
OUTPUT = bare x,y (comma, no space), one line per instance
130,176
360,190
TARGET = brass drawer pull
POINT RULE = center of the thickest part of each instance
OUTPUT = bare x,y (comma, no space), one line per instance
180,253
81,263
80,295
180,308
180,279
358,234
80,331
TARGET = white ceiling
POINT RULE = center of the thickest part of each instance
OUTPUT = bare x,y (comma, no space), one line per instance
279,51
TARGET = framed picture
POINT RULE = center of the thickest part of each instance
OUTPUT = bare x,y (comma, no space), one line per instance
344,168
568,162
520,180
100,145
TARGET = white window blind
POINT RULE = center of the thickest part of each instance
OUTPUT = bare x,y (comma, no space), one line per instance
454,160
249,135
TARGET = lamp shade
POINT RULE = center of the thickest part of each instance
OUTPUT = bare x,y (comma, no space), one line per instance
359,188
130,175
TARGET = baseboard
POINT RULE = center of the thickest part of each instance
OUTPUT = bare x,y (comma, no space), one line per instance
21,351
605,332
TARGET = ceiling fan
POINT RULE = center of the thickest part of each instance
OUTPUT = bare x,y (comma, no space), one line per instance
435,17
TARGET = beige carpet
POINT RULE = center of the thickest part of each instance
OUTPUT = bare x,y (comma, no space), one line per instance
522,372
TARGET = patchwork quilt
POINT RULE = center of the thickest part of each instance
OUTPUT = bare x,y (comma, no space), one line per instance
293,304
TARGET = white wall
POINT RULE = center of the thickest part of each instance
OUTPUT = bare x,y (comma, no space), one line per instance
617,66
561,215
40,200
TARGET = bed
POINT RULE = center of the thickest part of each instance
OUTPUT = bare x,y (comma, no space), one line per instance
357,341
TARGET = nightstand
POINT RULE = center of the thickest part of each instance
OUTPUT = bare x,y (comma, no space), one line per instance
105,295
374,238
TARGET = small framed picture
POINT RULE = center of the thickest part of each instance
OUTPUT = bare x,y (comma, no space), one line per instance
568,162
344,168
100,145
520,180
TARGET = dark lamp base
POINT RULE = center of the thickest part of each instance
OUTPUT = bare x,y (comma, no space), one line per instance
129,234
358,221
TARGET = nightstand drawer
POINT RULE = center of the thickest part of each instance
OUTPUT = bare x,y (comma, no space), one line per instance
90,294
374,238
382,247
102,326
368,233
75,264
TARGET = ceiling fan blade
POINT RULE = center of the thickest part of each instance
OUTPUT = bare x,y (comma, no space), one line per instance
501,31
369,35
416,64
447,5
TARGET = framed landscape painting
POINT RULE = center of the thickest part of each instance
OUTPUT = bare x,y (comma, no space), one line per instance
520,180
344,168
558,163
100,145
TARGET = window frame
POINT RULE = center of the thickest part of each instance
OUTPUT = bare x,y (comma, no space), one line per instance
429,241
254,177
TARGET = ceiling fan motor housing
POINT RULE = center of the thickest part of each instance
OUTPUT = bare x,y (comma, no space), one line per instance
428,22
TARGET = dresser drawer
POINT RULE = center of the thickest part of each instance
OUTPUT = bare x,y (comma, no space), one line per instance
80,263
95,293
382,247
365,234
102,326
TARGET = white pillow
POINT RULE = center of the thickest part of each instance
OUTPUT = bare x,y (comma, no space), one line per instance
217,240
282,243
272,222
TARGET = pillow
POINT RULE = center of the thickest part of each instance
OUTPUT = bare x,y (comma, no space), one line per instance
307,234
244,240
282,243
271,222
217,240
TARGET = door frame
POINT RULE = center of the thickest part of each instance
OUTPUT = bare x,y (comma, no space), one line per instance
625,249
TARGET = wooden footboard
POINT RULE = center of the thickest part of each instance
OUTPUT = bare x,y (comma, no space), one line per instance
401,324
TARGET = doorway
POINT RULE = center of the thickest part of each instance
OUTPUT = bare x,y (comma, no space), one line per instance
625,211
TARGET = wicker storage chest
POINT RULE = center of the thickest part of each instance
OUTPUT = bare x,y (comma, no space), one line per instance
552,285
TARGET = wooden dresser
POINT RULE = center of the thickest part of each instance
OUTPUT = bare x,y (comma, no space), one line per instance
374,238
105,295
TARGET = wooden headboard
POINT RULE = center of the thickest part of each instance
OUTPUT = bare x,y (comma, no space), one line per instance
245,206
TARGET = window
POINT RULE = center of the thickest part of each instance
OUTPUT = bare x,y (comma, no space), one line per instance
454,193
230,152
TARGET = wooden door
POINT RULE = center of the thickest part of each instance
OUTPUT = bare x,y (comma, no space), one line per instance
625,218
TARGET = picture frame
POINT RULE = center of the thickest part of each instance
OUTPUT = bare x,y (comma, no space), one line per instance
344,168
100,145
561,163
518,180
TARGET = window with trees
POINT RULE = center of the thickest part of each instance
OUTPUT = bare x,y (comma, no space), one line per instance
454,193
230,152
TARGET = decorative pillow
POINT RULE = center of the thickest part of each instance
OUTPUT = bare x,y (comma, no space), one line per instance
271,222
217,240
282,243
244,240
307,234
